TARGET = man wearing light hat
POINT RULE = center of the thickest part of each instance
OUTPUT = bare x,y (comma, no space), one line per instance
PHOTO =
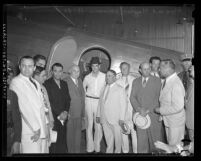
93,84
144,98
186,64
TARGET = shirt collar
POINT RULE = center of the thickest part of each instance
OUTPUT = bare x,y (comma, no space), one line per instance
24,77
170,77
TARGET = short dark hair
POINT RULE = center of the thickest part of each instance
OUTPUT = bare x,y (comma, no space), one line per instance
37,57
57,64
169,62
38,70
112,71
154,58
25,57
124,63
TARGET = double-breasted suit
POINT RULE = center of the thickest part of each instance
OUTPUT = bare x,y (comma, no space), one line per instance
147,97
59,101
172,108
31,106
77,112
111,109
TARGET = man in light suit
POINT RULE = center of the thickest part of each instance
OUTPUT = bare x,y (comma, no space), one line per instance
31,106
172,103
111,112
144,98
76,110
126,82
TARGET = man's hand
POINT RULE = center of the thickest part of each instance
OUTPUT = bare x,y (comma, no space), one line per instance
63,116
98,120
157,110
36,136
143,112
15,149
121,122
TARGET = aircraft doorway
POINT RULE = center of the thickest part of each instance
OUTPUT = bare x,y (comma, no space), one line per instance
84,61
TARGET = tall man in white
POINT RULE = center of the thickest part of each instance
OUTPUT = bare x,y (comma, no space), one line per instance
126,82
30,100
111,112
172,103
93,85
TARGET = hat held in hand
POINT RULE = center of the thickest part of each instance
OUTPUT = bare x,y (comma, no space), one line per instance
141,121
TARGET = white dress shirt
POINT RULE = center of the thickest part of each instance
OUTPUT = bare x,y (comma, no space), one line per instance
93,86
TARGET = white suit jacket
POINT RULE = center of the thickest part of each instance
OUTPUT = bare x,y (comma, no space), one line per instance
121,82
31,104
113,109
172,102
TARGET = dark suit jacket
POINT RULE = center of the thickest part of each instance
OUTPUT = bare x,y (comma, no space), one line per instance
14,116
147,97
77,95
59,97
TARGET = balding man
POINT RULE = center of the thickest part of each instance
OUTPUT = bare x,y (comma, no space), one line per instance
76,110
172,103
144,98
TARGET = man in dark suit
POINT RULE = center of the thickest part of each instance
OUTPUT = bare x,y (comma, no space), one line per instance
59,97
144,98
76,111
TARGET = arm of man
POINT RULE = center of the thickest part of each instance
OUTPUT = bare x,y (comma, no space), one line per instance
26,111
133,97
68,99
177,102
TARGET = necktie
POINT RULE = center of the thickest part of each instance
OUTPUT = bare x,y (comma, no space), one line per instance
76,82
33,83
164,84
144,82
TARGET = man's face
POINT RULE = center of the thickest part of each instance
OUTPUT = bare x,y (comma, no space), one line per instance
95,68
155,65
41,63
125,69
145,69
186,64
75,73
43,76
27,67
163,70
57,72
110,78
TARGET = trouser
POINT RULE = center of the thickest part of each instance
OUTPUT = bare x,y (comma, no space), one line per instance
175,134
28,146
191,134
60,146
113,136
91,110
125,141
10,139
74,135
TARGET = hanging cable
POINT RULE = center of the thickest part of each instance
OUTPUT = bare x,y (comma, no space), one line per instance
58,10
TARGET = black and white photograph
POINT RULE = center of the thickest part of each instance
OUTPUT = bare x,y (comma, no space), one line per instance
98,80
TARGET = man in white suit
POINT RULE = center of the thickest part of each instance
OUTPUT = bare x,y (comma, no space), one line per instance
172,103
111,112
126,82
31,106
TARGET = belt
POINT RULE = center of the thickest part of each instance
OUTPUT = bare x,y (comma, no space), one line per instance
92,97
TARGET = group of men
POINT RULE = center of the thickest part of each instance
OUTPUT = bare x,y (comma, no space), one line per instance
103,105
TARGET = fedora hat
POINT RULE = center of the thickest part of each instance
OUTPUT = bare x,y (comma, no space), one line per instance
140,121
95,60
126,128
186,56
